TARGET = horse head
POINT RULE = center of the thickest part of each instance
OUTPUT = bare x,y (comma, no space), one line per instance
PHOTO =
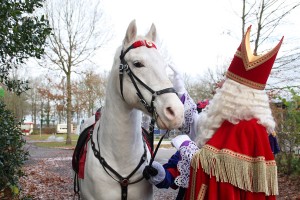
144,83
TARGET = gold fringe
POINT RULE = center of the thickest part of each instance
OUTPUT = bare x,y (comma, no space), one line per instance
244,172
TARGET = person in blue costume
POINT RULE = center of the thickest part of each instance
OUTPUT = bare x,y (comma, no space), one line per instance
274,143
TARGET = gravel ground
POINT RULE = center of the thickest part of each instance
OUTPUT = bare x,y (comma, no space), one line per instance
49,177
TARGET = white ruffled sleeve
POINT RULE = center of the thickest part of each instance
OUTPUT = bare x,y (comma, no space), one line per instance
190,116
183,166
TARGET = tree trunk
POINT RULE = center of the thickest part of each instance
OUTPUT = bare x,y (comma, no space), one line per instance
48,113
69,109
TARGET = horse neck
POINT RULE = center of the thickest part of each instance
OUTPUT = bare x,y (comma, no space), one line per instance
120,132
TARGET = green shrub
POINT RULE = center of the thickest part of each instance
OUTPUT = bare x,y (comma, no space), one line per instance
12,154
288,164
296,166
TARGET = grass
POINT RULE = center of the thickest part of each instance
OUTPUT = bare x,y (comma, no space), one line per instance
43,137
55,144
44,143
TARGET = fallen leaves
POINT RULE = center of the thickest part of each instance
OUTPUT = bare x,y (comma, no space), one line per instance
43,180
52,179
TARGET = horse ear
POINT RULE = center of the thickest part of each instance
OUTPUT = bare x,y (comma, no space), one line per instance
131,32
152,33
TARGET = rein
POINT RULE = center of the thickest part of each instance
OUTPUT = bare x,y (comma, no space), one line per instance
157,147
123,181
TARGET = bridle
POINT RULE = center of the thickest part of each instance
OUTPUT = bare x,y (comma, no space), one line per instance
124,67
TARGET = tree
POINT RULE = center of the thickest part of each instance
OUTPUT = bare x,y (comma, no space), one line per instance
207,83
22,35
79,30
16,103
88,93
12,153
93,91
287,114
267,16
34,99
47,96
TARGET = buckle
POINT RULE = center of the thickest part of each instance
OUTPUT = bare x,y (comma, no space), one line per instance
151,127
121,68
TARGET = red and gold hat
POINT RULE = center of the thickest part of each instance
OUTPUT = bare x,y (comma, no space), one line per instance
248,69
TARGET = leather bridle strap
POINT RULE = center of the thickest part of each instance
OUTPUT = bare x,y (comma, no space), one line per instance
150,107
123,181
125,67
156,149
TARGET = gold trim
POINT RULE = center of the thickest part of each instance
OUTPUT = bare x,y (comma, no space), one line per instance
202,192
251,61
194,177
244,172
149,43
245,81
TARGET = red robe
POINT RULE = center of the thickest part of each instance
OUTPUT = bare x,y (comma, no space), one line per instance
236,163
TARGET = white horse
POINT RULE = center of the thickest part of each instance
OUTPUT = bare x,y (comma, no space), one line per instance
138,82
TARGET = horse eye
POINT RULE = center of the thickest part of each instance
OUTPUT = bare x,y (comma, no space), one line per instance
138,64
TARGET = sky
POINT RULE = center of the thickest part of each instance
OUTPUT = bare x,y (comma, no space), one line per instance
197,34
192,31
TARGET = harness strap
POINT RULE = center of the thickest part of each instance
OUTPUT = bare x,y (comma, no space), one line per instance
123,181
157,147
141,82
124,65
121,72
76,186
136,44
163,91
149,108
181,193
166,90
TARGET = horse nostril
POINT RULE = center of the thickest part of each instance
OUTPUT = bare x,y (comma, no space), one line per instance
170,112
